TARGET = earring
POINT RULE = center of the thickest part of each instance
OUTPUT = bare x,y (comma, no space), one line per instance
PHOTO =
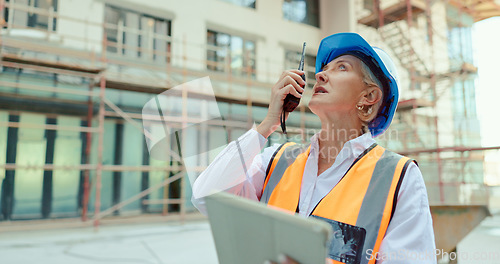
368,112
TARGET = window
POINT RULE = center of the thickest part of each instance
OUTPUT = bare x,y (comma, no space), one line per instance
460,48
245,3
292,60
302,11
226,53
137,35
40,16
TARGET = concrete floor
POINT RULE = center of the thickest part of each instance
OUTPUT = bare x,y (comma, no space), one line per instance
158,243
482,245
171,242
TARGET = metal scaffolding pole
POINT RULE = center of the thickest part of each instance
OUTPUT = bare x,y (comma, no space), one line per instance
88,146
379,13
102,94
78,70
184,132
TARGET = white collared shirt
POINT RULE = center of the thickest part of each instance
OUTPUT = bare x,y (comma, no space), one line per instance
241,169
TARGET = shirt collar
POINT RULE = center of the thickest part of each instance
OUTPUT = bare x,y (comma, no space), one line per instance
352,148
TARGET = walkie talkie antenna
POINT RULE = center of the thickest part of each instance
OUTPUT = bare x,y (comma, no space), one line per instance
301,64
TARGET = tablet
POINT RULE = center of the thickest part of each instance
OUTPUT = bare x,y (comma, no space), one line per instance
249,232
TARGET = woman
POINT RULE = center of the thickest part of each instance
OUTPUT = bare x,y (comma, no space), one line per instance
374,198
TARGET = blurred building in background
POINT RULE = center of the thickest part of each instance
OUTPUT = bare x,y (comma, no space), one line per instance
76,74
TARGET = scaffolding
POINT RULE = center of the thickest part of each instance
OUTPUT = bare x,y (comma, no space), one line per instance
105,71
433,125
435,65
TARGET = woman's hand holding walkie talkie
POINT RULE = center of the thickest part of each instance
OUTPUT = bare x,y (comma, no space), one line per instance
285,97
290,82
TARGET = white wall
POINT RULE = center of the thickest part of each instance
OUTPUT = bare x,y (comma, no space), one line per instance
337,16
191,19
80,24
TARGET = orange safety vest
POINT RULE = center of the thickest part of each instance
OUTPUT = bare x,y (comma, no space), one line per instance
359,208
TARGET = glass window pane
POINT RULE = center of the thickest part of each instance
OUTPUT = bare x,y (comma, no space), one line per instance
459,39
190,152
250,47
41,21
146,37
160,40
259,113
28,182
302,11
35,17
295,10
107,156
156,177
131,156
4,117
112,17
65,183
249,58
211,53
143,35
223,39
222,42
20,17
236,55
241,57
238,112
211,37
130,36
245,3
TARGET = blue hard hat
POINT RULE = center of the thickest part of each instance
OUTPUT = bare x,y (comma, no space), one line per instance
379,63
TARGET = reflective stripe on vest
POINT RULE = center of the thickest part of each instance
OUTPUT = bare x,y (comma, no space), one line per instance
291,157
365,197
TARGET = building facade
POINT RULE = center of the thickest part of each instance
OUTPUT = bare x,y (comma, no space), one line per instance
76,74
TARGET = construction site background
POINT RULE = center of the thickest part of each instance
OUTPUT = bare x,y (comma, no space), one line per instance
76,74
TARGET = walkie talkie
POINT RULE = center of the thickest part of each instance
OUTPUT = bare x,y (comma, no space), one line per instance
291,102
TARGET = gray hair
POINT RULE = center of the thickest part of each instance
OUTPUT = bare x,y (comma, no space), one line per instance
369,78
